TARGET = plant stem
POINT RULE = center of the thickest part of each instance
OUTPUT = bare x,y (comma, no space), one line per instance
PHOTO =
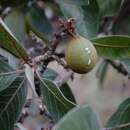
120,67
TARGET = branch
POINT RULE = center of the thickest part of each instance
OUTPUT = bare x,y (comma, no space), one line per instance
60,55
42,111
120,67
65,29
60,61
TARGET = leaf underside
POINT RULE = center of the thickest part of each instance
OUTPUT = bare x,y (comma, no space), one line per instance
6,80
12,100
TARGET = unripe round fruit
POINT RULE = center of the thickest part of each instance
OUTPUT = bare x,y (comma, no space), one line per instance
80,55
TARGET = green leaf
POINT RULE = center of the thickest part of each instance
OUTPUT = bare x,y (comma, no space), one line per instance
37,22
109,7
50,74
4,66
10,43
80,118
30,74
16,23
65,89
54,100
87,17
121,116
12,100
6,80
113,47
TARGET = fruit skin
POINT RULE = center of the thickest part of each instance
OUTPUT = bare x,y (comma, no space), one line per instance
80,55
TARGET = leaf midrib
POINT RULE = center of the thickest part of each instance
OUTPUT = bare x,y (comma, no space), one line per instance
111,46
17,49
57,97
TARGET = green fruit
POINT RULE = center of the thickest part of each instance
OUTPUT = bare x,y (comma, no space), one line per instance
80,55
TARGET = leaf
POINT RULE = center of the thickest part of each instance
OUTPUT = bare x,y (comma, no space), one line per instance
16,23
10,43
4,66
37,22
80,118
121,116
87,17
12,100
6,80
50,74
109,7
65,89
113,47
29,72
54,100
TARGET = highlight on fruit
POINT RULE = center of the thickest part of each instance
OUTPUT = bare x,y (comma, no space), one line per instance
80,55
